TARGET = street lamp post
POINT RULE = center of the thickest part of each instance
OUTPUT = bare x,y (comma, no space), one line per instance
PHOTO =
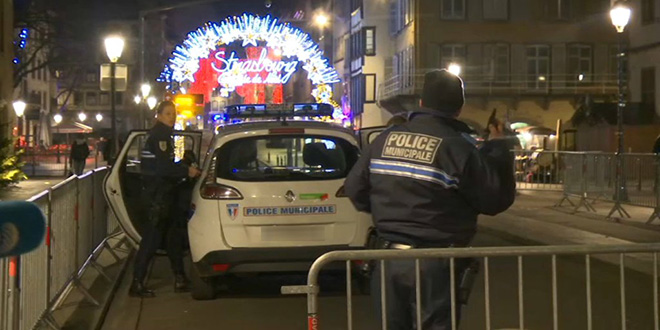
322,20
114,46
58,119
19,109
620,15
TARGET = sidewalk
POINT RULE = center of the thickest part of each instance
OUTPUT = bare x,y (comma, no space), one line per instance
534,219
28,188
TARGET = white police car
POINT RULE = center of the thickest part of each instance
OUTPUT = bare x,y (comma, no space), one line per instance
270,198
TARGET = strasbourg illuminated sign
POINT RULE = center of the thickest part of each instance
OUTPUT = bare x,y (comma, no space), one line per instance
234,72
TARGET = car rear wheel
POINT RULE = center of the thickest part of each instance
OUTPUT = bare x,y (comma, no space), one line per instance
203,288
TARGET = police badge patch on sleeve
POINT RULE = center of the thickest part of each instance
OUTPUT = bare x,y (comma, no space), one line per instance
162,145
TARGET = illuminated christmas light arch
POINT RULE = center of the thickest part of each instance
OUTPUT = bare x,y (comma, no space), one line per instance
251,29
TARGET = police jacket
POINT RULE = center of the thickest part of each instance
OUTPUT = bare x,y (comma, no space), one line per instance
158,155
425,182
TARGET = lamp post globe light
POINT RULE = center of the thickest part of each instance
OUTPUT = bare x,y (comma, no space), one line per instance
620,16
152,102
137,99
454,69
82,116
19,108
114,46
99,117
57,118
146,90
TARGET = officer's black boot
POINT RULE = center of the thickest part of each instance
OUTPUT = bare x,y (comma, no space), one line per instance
181,283
139,290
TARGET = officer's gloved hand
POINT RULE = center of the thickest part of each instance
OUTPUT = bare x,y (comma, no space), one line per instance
193,172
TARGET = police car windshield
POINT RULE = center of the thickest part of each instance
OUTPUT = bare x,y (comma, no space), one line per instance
286,158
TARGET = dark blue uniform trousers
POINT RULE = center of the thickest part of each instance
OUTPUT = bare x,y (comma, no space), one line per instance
164,222
401,295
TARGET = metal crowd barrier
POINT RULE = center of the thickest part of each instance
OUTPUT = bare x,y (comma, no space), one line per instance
487,256
591,176
538,170
35,284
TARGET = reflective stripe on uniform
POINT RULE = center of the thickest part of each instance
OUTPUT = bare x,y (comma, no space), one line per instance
413,171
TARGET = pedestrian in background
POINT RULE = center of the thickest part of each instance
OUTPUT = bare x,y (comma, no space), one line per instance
425,182
78,155
161,175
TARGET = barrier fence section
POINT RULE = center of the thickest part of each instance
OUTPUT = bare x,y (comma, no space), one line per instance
34,284
591,176
488,257
538,170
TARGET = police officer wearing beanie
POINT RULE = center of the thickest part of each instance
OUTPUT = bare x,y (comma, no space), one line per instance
425,182
161,175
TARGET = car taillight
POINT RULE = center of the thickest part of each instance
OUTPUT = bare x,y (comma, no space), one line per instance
341,192
213,190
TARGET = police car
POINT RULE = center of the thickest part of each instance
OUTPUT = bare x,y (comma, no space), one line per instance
270,198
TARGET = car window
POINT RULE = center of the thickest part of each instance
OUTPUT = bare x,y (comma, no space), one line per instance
286,158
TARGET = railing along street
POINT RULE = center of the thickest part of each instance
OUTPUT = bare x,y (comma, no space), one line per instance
489,258
35,285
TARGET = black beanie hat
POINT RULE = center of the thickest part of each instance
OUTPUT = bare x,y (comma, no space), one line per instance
443,91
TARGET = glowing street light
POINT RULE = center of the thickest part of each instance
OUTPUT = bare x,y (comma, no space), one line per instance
82,116
146,90
454,69
114,46
19,108
620,15
152,102
57,118
321,19
137,99
99,117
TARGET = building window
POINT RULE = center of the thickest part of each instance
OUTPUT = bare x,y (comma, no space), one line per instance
357,94
579,63
38,66
401,14
370,41
92,98
91,77
370,88
648,11
648,86
408,13
496,9
356,4
452,53
119,98
559,9
104,98
340,50
452,9
538,66
497,63
78,98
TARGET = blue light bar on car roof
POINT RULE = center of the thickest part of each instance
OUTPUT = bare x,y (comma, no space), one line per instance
279,110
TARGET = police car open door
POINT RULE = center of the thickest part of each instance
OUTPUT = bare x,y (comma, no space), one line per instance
123,186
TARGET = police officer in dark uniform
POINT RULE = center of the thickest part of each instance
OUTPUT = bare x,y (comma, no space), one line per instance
161,174
425,182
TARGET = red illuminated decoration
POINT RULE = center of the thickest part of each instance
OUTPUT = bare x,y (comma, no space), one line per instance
206,78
